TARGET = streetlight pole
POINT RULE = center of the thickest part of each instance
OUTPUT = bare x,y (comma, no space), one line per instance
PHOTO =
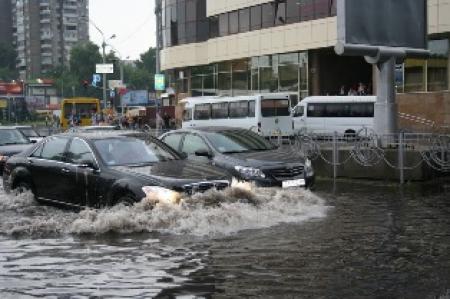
104,74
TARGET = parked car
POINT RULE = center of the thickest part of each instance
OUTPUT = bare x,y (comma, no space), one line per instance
12,142
30,133
246,154
100,170
89,129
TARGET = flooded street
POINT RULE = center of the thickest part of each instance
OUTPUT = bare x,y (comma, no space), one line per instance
346,241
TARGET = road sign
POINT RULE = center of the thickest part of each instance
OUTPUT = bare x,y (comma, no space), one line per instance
113,84
160,83
106,68
96,78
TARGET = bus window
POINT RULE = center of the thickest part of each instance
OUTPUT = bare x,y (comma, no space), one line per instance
202,111
316,110
219,110
272,108
187,114
299,111
251,108
239,109
362,110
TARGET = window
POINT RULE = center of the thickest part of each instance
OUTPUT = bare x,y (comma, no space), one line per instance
79,153
173,140
280,13
233,22
202,111
255,17
219,110
54,149
271,108
223,24
341,110
316,110
268,15
213,27
244,20
239,109
187,115
292,11
299,111
251,109
193,143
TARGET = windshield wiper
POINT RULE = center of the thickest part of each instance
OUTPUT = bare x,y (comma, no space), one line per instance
142,164
12,143
235,152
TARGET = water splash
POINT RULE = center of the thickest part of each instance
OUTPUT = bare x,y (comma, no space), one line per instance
214,213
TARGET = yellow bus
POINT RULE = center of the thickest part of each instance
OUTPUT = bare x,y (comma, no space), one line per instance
80,110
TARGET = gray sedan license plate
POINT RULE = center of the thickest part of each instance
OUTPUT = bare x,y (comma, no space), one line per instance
293,183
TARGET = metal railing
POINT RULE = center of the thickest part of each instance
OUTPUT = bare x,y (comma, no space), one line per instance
371,150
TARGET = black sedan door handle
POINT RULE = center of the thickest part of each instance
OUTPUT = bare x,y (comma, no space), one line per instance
65,170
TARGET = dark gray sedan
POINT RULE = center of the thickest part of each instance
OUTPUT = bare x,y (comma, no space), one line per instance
244,153
12,142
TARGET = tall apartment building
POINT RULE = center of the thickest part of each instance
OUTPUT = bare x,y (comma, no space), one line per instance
238,47
44,32
5,22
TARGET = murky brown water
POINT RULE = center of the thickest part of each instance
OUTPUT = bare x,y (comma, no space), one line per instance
352,241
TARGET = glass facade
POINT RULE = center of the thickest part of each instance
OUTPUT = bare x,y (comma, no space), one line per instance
185,21
271,73
417,75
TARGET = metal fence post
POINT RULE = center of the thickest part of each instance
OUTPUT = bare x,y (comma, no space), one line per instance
335,157
401,157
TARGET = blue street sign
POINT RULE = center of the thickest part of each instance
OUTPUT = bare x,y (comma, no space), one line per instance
96,78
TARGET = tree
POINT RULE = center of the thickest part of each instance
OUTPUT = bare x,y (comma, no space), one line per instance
8,58
141,74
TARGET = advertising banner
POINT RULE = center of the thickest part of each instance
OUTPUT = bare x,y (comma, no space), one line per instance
135,98
35,103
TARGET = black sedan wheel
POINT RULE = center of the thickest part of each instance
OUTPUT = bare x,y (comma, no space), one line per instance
22,187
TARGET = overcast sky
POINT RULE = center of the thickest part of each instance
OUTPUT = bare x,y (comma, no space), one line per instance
132,21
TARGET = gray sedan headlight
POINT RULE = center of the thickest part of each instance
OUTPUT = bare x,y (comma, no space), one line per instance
308,168
249,172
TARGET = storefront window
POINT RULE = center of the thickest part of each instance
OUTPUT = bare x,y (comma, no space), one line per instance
415,75
437,65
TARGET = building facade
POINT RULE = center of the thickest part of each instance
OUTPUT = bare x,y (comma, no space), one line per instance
238,47
43,33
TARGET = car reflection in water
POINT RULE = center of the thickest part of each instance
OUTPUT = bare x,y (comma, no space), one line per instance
101,169
249,156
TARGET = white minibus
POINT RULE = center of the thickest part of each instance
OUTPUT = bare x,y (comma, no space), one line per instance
267,114
329,114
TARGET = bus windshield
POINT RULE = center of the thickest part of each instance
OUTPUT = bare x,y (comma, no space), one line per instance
82,110
275,107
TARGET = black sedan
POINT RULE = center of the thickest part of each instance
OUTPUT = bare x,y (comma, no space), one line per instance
100,170
12,142
247,155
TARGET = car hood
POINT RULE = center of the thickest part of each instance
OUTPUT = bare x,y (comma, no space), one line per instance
177,172
13,149
266,158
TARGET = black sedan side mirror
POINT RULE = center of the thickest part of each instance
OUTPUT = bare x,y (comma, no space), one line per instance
88,164
203,153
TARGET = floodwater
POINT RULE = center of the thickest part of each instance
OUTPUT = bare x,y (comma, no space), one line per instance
349,240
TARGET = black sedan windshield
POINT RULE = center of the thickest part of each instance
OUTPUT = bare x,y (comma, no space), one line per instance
131,151
238,141
12,137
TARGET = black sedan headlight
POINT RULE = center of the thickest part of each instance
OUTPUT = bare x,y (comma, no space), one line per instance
250,172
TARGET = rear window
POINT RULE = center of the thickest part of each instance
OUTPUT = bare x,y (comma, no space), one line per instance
273,108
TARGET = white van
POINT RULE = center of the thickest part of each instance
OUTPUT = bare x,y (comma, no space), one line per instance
267,114
329,114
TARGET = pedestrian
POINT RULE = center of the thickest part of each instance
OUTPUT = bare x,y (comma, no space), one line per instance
166,119
342,91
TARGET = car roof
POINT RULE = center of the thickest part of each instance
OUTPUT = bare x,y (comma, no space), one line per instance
8,128
211,129
97,135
